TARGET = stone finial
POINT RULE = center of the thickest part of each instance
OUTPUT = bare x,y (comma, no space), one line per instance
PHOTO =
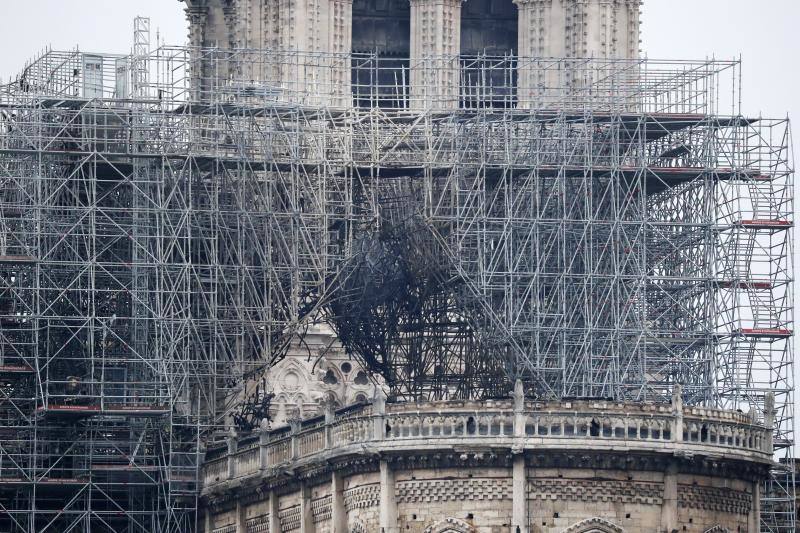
379,401
519,395
769,410
329,407
263,425
232,439
280,415
677,398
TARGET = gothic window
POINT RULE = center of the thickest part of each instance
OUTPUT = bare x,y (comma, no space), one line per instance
488,28
381,48
330,378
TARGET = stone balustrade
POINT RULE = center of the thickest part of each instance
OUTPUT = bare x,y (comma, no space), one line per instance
520,425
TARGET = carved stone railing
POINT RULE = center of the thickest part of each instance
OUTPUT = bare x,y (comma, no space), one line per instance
513,424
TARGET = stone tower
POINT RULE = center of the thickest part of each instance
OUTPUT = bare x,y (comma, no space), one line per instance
312,40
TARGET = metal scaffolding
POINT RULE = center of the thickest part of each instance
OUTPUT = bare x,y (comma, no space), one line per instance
617,229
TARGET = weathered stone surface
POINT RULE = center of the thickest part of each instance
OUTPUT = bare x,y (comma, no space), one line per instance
495,466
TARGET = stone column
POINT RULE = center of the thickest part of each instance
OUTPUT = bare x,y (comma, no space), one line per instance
341,46
677,413
519,410
241,518
604,29
388,517
338,511
378,414
769,420
274,512
270,71
754,518
197,15
627,29
304,31
669,506
306,511
233,444
541,33
435,49
519,483
263,444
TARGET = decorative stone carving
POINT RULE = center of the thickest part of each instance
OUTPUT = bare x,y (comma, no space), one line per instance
358,527
594,525
313,373
450,525
595,491
441,490
321,508
290,518
258,524
362,497
715,499
435,47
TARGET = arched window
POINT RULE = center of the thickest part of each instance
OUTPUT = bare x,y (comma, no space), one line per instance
488,42
381,48
450,525
594,525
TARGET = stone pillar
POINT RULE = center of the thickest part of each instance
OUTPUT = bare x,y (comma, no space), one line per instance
330,417
263,445
388,517
197,15
606,29
271,40
541,33
669,507
306,511
233,443
769,420
754,518
341,46
274,512
240,66
435,49
519,409
304,31
677,413
378,414
519,513
627,29
241,518
338,511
